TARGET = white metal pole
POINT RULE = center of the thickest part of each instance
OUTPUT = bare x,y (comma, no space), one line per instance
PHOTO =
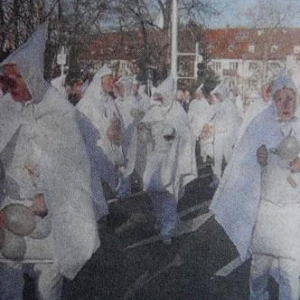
174,41
196,60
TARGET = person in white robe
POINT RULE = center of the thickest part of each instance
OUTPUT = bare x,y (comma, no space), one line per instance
59,84
200,115
257,202
142,101
131,115
226,125
43,154
99,107
236,96
257,105
171,164
141,98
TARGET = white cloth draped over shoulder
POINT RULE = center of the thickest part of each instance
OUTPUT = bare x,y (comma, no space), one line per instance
99,109
48,137
237,199
127,105
171,164
226,125
255,108
59,84
200,113
235,203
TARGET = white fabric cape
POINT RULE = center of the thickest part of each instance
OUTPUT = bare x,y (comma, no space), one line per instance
200,113
253,110
65,176
235,203
64,164
179,164
98,109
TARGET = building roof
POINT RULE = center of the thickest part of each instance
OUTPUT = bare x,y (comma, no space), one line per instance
222,43
247,44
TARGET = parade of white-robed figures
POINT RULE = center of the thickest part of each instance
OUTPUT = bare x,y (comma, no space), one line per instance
60,160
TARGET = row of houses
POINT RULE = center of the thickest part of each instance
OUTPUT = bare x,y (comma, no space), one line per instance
250,57
253,57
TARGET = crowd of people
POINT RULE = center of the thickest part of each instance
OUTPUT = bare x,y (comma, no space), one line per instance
57,160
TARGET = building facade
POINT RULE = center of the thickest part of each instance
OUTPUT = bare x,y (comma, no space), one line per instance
249,57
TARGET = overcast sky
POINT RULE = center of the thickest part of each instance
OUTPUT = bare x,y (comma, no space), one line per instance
234,12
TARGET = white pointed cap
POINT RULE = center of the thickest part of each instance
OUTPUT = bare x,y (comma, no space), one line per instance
29,59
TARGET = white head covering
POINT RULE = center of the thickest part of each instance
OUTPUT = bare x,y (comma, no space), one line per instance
283,81
199,88
29,59
92,95
167,90
126,82
222,90
134,80
95,87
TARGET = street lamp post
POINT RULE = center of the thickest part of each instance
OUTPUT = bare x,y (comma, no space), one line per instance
174,44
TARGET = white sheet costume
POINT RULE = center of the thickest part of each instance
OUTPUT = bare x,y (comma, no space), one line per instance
45,139
171,164
126,105
259,209
100,109
226,126
59,84
201,113
254,109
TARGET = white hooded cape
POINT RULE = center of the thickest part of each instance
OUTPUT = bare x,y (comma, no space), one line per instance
171,170
97,108
49,134
236,201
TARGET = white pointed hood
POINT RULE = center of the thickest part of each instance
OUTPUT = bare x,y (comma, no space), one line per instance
167,90
283,81
126,82
199,88
29,59
93,93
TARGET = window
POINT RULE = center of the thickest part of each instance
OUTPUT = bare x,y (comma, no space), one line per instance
230,48
251,48
296,49
233,65
253,66
274,48
216,65
252,83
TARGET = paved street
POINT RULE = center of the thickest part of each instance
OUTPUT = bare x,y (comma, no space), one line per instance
133,264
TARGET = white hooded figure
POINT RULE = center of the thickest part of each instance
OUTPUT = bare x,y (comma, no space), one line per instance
99,107
226,126
130,109
45,158
142,100
257,104
201,114
171,164
257,202
59,84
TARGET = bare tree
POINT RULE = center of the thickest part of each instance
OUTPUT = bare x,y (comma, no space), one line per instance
270,17
272,13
